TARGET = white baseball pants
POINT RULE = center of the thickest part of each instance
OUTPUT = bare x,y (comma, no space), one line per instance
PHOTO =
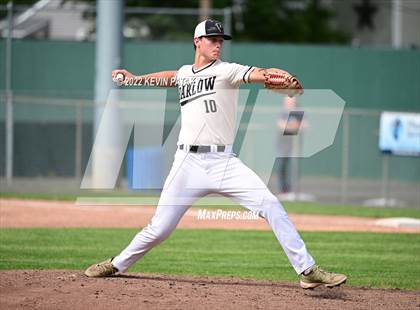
194,175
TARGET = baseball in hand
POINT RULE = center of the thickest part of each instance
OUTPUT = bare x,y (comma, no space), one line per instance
119,77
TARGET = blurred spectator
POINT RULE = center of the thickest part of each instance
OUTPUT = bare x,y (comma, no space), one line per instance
288,125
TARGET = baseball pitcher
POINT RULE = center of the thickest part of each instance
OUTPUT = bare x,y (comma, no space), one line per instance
204,162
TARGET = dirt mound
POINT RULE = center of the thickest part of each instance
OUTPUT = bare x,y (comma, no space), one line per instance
67,289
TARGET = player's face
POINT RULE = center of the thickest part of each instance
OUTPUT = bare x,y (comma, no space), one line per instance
211,47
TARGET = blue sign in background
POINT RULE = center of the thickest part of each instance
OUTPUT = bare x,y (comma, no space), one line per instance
400,133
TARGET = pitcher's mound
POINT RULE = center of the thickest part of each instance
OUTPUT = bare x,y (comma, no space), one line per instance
66,289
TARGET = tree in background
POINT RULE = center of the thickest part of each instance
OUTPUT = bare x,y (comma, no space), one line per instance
290,21
297,21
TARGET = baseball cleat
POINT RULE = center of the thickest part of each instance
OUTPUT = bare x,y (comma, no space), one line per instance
102,269
318,277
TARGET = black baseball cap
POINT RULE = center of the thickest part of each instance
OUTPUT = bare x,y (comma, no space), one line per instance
210,27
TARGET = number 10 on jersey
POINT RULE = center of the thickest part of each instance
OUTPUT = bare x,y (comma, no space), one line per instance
210,106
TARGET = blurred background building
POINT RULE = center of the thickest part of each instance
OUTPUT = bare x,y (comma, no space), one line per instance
367,51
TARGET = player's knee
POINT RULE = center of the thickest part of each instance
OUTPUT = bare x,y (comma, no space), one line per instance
271,200
271,205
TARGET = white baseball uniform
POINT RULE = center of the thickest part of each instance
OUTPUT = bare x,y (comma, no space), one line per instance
204,164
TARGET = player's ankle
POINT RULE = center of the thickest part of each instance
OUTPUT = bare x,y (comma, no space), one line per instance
308,271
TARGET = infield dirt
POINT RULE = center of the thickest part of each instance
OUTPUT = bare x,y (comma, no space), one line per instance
59,289
40,213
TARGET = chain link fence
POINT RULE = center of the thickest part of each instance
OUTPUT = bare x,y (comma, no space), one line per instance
54,137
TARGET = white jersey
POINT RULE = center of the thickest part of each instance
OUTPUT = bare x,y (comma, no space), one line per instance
209,100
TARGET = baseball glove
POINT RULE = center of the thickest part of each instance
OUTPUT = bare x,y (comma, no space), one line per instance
282,82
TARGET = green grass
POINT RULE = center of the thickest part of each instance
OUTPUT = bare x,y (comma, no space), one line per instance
223,203
43,196
72,197
370,259
351,210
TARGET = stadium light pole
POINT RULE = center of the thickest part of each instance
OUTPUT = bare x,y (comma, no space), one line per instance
9,96
396,22
227,16
108,51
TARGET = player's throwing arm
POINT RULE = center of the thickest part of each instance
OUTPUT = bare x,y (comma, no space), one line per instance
161,79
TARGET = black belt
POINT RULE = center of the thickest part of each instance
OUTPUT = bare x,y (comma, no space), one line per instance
202,148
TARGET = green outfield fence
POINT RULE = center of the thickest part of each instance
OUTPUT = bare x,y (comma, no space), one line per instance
53,86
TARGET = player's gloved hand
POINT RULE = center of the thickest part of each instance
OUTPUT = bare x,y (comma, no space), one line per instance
283,82
122,77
